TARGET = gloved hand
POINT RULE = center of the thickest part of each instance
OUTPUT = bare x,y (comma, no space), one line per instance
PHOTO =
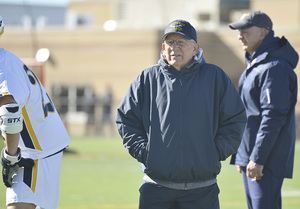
11,164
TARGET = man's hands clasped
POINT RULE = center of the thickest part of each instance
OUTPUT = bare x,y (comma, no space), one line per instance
11,164
253,170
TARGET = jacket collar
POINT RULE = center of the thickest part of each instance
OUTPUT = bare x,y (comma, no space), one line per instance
275,47
257,60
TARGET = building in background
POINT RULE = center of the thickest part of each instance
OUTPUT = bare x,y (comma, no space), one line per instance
28,14
135,14
96,42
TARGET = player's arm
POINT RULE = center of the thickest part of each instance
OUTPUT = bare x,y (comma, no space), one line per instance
12,138
11,124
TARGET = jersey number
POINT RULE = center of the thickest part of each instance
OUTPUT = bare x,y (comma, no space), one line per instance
47,107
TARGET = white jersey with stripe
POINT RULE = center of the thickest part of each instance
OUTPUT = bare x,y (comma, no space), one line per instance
43,131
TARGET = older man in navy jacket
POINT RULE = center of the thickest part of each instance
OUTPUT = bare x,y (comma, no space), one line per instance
180,118
268,88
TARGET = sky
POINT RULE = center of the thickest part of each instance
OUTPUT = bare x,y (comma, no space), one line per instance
39,2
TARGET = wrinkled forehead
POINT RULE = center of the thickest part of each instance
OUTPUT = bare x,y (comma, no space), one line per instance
174,36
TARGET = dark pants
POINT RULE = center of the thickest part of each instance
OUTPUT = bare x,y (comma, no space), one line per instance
153,196
264,193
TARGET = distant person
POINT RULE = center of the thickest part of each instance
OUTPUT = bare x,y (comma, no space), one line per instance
60,94
34,135
89,105
268,88
106,118
60,98
180,118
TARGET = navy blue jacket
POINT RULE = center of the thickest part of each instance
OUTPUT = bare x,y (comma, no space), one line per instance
179,125
268,88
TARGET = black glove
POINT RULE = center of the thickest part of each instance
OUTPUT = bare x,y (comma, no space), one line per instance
9,168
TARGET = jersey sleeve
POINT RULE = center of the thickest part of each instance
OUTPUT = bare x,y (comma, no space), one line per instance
13,78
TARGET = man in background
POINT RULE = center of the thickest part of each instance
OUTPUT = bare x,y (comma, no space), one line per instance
268,88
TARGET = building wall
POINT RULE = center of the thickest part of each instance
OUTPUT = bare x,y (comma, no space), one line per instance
99,11
150,14
285,13
27,15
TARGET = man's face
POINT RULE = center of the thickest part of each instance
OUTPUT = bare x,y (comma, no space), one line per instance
251,38
178,50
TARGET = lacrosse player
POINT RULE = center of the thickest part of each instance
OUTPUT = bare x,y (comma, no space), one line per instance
34,135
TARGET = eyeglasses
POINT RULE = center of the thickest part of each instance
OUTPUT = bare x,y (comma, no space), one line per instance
179,42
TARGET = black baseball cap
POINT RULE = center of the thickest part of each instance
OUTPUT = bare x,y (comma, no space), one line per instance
252,18
181,27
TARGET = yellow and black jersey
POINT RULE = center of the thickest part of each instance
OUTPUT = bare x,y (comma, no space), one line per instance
43,131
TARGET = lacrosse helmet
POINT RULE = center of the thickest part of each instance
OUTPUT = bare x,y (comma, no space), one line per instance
1,26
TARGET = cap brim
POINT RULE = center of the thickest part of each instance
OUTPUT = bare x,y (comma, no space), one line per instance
239,25
163,38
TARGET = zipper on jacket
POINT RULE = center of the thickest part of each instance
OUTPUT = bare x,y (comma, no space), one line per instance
180,123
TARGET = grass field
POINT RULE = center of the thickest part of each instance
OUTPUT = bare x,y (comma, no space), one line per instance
100,174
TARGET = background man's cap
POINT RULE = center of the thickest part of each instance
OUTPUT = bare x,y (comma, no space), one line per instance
181,27
253,18
1,26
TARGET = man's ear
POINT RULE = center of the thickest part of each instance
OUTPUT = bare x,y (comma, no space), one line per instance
163,46
263,34
196,49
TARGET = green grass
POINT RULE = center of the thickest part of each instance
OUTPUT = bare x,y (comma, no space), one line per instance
100,174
